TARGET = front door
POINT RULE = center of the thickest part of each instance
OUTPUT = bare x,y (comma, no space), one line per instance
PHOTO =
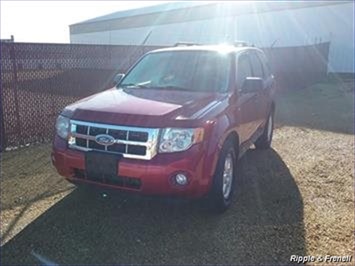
247,113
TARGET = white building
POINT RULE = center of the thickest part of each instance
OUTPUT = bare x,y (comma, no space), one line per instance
261,23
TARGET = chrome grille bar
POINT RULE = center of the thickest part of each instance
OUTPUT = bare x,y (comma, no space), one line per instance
118,141
150,143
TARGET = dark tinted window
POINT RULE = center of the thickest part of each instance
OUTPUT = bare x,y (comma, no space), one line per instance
256,65
243,70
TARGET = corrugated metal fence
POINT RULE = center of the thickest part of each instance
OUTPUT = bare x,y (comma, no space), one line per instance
39,80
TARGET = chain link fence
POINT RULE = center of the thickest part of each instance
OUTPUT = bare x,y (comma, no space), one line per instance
38,80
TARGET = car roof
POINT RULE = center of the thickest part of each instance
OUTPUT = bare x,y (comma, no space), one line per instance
224,48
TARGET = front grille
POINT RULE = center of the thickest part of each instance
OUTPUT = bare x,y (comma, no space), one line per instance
131,142
94,131
118,134
82,129
94,145
119,148
138,136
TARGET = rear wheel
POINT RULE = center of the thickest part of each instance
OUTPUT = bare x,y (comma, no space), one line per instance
224,179
264,141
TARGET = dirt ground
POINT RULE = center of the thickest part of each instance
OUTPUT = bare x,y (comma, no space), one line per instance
295,199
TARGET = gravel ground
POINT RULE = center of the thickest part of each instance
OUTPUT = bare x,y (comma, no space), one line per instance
294,199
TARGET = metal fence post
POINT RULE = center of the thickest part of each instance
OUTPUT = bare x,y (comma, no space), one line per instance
15,88
3,143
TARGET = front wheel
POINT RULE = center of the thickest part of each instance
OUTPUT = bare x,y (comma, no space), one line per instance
264,141
224,179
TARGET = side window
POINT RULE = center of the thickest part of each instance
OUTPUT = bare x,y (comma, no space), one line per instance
243,70
256,65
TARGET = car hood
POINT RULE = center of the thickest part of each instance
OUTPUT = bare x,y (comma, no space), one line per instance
142,107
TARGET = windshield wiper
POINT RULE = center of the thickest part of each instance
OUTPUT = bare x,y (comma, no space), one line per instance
141,86
171,87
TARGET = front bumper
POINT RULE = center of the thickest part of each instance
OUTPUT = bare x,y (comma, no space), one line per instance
155,176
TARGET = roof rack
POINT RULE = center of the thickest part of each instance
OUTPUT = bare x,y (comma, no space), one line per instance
236,44
185,44
241,44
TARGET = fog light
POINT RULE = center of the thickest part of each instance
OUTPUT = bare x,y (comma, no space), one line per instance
181,179
71,140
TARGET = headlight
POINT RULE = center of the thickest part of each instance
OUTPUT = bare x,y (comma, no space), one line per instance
62,126
179,139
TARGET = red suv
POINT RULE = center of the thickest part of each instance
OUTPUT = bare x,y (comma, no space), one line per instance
174,125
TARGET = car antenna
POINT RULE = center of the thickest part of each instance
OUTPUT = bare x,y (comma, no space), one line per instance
146,38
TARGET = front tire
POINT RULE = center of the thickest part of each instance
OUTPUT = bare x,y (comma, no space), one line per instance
223,187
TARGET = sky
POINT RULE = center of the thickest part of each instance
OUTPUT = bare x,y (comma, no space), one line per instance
48,21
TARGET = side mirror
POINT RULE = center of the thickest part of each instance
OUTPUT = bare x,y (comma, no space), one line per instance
252,84
118,78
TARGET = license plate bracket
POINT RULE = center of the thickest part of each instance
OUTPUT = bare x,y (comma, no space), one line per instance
99,164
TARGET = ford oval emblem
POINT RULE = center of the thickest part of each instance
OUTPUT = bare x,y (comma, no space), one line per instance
105,140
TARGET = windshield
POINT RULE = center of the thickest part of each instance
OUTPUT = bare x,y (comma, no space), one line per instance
181,70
